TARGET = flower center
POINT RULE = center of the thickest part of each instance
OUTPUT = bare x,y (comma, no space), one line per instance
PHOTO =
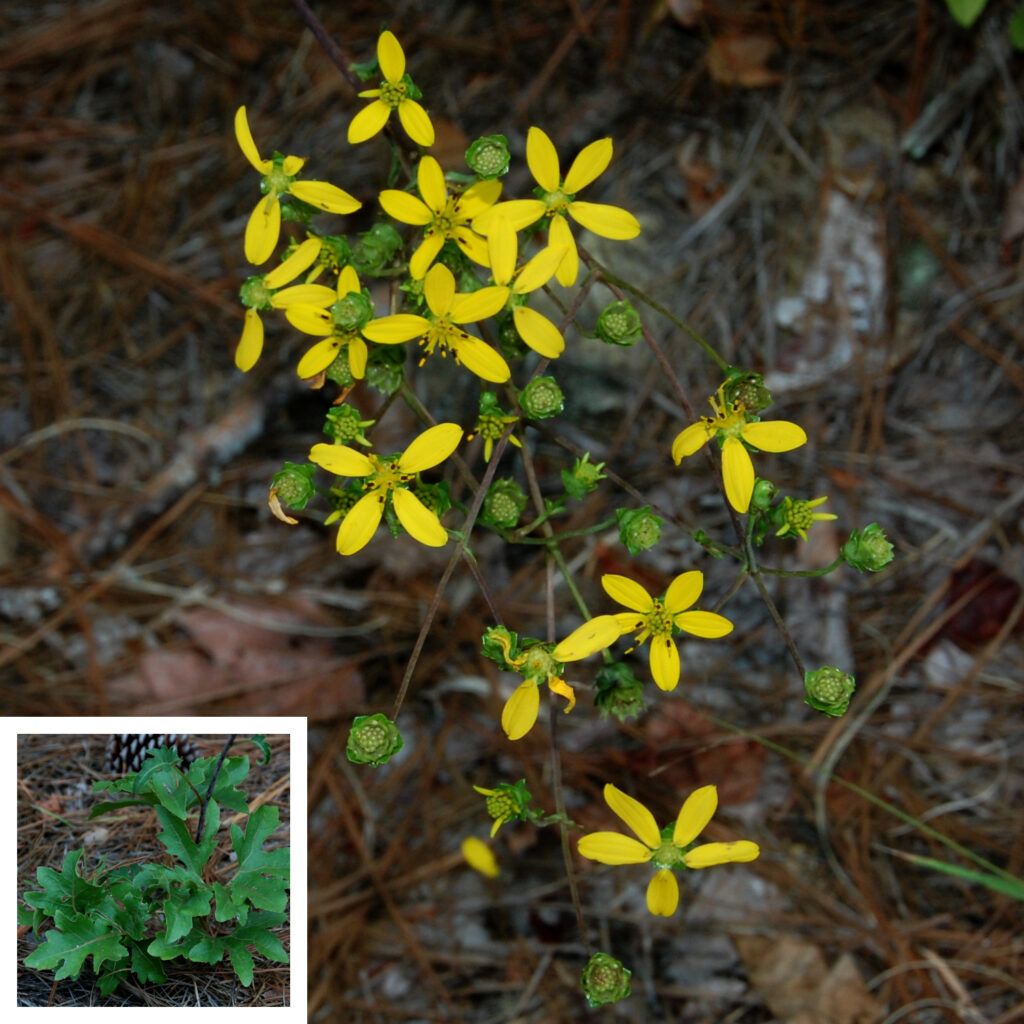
392,94
668,855
557,202
275,181
386,475
657,622
447,220
444,335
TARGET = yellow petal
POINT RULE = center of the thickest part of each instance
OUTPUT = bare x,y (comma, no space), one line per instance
520,213
538,332
663,894
340,460
360,524
593,636
430,448
250,345
738,474
480,857
542,160
563,689
303,295
706,856
425,254
709,625
560,237
348,281
393,330
310,320
665,662
247,144
590,163
324,196
635,815
357,356
627,592
520,711
368,122
404,207
390,56
774,435
479,358
416,122
473,245
690,440
302,259
606,221
430,180
683,591
318,358
502,248
262,230
613,848
478,305
629,622
439,289
291,165
477,198
420,523
539,270
697,810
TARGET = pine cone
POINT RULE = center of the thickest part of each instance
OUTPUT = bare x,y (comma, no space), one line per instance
127,751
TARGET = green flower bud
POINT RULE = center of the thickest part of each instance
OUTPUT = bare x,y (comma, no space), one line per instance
373,740
639,528
376,249
344,426
536,662
619,692
511,344
829,690
604,980
507,802
867,550
504,503
500,645
748,390
763,495
385,369
293,484
488,156
583,478
542,398
352,311
619,324
339,371
255,294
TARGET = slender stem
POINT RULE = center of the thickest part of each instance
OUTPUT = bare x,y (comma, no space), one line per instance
209,789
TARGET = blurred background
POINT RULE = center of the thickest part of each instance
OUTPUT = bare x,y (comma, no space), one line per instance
831,194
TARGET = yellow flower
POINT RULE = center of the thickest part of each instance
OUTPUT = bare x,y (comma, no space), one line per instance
558,198
341,326
264,291
264,226
537,665
654,618
480,857
535,329
667,848
731,425
440,215
389,479
440,329
799,516
392,95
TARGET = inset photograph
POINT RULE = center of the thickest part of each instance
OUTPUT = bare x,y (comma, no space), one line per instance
154,869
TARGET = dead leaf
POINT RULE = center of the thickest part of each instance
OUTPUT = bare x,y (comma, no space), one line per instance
736,59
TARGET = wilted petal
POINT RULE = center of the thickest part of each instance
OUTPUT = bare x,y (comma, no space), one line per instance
324,196
774,435
563,689
542,160
520,711
340,460
360,524
593,636
606,221
613,848
250,345
665,662
368,122
706,856
738,474
697,810
430,448
663,894
627,592
420,523
416,123
635,815
590,163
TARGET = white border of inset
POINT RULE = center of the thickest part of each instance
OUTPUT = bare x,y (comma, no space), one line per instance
11,728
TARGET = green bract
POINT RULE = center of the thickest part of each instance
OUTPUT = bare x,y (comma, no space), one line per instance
639,528
604,980
373,740
868,550
132,918
829,690
542,398
293,484
619,324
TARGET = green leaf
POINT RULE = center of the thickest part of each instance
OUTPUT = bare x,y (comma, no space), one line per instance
228,907
179,909
261,742
260,872
241,959
75,938
111,978
225,792
207,950
966,12
116,805
1017,29
1007,886
165,950
179,842
256,933
160,776
65,889
146,966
